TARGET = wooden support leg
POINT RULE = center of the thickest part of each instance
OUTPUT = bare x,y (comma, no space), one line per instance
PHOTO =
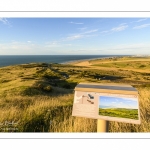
102,125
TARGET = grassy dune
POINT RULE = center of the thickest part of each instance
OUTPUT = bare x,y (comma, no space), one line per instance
39,97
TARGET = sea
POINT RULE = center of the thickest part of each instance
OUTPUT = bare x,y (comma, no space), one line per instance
8,60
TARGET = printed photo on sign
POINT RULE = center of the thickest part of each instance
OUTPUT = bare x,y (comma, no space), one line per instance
120,107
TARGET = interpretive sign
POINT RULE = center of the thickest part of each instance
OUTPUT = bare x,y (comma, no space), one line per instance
112,102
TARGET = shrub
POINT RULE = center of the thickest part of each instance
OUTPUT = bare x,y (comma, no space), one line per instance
44,87
47,88
142,66
67,86
40,86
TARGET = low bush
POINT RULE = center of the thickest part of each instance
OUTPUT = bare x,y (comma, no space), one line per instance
47,88
44,87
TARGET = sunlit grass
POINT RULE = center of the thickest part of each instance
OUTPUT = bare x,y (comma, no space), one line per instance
27,104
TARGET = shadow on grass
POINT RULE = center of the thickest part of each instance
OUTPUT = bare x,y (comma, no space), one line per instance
46,87
106,77
45,121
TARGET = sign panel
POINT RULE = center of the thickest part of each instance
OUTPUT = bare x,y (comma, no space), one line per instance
110,104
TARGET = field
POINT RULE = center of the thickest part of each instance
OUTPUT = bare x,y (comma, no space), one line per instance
119,112
38,97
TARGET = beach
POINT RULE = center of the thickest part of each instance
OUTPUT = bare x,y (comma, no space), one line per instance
86,62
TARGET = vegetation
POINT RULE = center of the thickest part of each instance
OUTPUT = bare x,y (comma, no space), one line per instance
119,112
38,97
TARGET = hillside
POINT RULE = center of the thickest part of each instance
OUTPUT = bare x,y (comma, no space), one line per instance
119,112
38,97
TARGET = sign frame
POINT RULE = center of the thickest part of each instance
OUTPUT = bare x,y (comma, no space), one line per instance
125,97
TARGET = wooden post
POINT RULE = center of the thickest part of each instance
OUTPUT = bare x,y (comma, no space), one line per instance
102,125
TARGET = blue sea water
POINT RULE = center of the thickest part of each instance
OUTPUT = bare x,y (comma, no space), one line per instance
7,60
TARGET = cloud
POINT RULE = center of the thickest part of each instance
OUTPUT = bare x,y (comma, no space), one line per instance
131,46
82,28
90,31
4,21
104,31
76,22
81,35
140,20
74,37
68,44
128,49
53,44
120,28
141,26
15,47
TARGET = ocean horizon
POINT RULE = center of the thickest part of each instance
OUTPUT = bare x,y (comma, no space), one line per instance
8,60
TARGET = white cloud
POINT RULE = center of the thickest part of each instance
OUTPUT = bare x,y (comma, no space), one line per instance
133,49
90,31
131,46
140,20
81,35
15,47
141,26
53,44
75,37
82,28
4,21
120,28
76,22
104,31
68,44
120,49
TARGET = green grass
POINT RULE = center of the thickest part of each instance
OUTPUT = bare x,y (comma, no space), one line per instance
128,64
119,112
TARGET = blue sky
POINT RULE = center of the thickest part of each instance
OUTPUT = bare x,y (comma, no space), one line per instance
75,36
118,102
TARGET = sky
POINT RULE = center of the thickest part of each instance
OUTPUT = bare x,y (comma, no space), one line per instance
118,102
74,36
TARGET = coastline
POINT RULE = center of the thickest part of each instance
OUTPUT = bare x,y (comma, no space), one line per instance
49,59
61,59
85,62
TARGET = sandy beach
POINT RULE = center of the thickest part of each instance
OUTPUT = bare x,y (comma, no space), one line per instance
86,62
81,63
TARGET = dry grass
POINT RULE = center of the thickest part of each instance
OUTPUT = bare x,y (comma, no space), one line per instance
43,114
25,108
